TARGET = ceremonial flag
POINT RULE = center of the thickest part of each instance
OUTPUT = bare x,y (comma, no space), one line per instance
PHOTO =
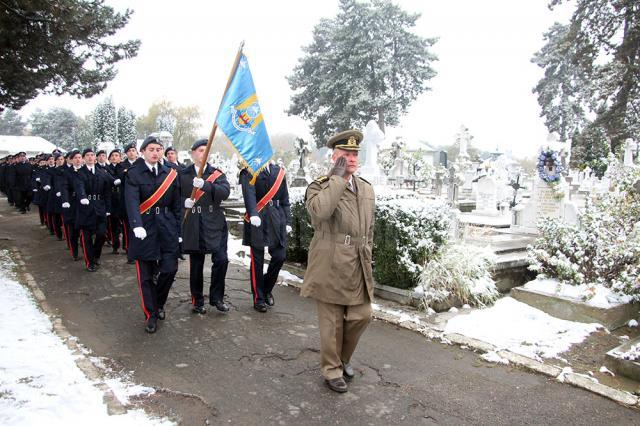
240,118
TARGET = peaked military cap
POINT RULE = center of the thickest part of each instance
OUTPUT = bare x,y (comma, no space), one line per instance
348,140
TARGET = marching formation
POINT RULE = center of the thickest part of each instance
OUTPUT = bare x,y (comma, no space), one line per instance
142,203
156,210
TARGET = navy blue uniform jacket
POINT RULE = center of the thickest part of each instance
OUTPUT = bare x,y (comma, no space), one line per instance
97,189
162,221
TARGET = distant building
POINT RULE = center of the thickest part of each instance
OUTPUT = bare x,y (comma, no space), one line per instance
32,145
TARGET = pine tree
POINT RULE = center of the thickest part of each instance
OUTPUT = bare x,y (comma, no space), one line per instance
58,126
126,126
363,64
11,123
591,88
105,122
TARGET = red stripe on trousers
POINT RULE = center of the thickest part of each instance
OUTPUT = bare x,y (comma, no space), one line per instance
253,278
84,249
125,236
146,313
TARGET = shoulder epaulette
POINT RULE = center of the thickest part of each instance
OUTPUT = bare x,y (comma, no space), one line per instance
364,180
321,179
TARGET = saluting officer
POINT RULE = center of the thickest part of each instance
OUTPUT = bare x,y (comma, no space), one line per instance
204,230
152,200
339,275
93,189
266,225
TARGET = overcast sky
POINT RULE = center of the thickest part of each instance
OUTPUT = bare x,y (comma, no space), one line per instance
484,79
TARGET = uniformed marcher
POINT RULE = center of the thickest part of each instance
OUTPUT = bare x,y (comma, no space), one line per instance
171,159
70,203
204,229
114,224
152,199
339,274
131,156
267,222
93,189
39,195
23,172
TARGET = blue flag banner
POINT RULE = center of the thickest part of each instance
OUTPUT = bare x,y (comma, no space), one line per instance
240,118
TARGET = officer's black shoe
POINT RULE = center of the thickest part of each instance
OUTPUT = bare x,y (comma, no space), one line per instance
337,385
347,371
97,262
76,258
270,300
151,325
181,257
23,212
260,307
199,310
91,268
220,305
161,314
115,251
131,262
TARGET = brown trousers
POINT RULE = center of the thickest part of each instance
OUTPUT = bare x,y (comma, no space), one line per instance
340,330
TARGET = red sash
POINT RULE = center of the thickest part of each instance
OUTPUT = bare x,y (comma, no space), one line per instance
162,189
212,177
269,195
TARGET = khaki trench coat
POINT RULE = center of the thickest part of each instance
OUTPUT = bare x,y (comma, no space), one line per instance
339,265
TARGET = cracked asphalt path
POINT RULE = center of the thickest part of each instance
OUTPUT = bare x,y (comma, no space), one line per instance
252,368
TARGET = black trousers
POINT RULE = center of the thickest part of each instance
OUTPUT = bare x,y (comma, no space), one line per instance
56,224
126,234
155,278
92,239
22,200
219,264
42,214
114,227
262,284
72,234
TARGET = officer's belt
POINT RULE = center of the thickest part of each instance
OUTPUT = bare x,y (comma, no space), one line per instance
273,203
346,239
94,197
157,210
199,209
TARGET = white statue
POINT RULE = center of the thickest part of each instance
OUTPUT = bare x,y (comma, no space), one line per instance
373,138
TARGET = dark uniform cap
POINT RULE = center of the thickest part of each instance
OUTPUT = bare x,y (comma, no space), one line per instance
129,146
73,153
113,151
102,151
86,151
197,144
57,155
21,153
348,140
148,141
166,151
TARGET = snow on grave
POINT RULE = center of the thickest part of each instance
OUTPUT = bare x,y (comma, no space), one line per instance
521,329
568,302
40,381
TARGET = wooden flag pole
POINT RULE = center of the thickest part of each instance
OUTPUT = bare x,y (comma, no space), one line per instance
212,135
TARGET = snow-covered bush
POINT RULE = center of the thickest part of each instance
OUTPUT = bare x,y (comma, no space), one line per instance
408,233
458,275
605,248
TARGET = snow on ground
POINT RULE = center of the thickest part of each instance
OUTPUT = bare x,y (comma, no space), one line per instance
40,381
595,295
521,329
400,316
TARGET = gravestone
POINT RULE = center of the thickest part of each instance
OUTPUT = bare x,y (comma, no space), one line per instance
372,140
628,152
486,197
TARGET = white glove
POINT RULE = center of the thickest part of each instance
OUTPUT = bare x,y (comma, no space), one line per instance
188,203
117,182
289,229
179,240
84,202
37,179
140,232
58,194
35,190
46,187
66,205
198,182
108,214
255,220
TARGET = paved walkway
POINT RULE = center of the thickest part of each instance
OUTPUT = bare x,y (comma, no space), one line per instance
252,368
